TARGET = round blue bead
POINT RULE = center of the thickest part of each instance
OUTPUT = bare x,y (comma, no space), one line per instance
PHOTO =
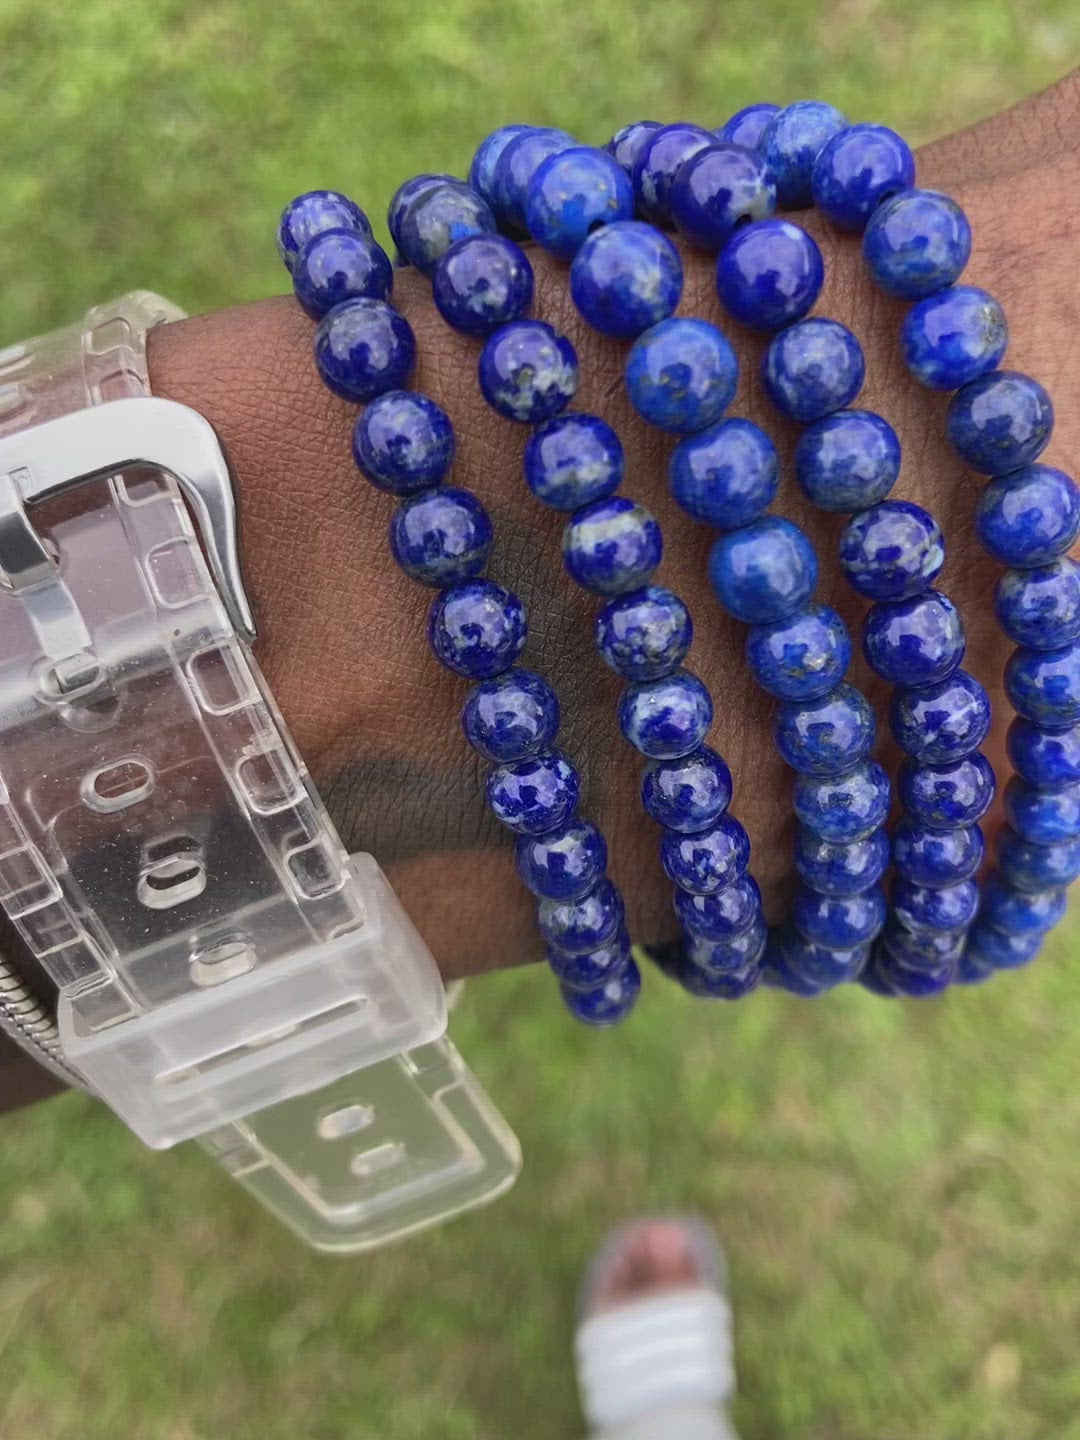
778,976
921,949
1000,422
340,265
763,572
941,723
801,657
944,907
947,796
528,371
936,857
792,142
1044,685
511,717
573,460
1019,912
403,442
562,864
609,1003
822,966
441,536
1041,607
572,194
577,926
728,957
888,975
661,158
834,869
477,628
612,546
848,460
1047,759
769,274
892,551
821,737
723,915
534,795
733,985
626,145
406,194
666,718
482,168
689,793
716,191
438,218
917,243
857,169
1002,951
1028,517
681,375
645,634
972,968
953,337
626,278
1037,867
846,807
593,968
312,214
725,475
518,162
482,282
363,348
838,922
747,126
914,642
708,860
813,368
1043,817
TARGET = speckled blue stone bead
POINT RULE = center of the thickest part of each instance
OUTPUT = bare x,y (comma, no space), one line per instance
1046,759
612,546
801,657
482,168
403,442
733,985
778,976
406,194
947,796
921,949
681,375
914,642
887,975
666,718
626,145
1000,422
645,634
441,536
705,862
573,460
953,337
723,915
846,807
660,160
1002,951
747,126
856,170
572,194
313,213
941,723
729,957
577,926
726,474
812,368
562,864
763,572
820,965
535,795
528,371
917,243
1043,817
822,737
364,348
838,922
792,142
1028,517
848,460
769,274
687,794
943,908
518,162
439,217
1037,867
1044,685
593,968
340,265
510,717
626,278
716,191
833,869
1019,912
608,1004
936,857
892,551
1040,607
482,282
477,628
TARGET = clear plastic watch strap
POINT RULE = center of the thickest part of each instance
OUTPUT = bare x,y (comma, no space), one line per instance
225,970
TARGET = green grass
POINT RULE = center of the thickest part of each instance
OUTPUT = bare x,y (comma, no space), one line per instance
896,1184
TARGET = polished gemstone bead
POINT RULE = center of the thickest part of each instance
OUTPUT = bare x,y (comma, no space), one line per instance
856,170
593,968
848,460
340,265
1000,950
482,168
518,162
748,125
1046,759
681,375
626,145
1043,817
917,243
892,551
1029,517
571,195
801,657
941,723
1044,685
833,869
769,274
721,985
528,371
893,977
405,195
914,642
813,368
645,634
838,922
921,949
312,214
936,857
609,1003
482,282
845,807
535,795
822,737
943,907
403,442
954,337
820,965
660,160
438,218
1019,912
792,142
763,572
577,926
626,278
1040,608
572,460
729,957
716,191
666,718
708,860
779,976
1000,422
723,915
1037,867
510,717
725,475
477,628
612,546
363,348
562,864
689,793
947,796
441,536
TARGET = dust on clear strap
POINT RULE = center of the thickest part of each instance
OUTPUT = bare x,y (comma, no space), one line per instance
225,970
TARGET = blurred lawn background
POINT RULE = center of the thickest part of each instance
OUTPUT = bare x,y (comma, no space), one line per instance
896,1184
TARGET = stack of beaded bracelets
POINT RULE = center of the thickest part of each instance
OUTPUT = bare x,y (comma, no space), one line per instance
604,211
